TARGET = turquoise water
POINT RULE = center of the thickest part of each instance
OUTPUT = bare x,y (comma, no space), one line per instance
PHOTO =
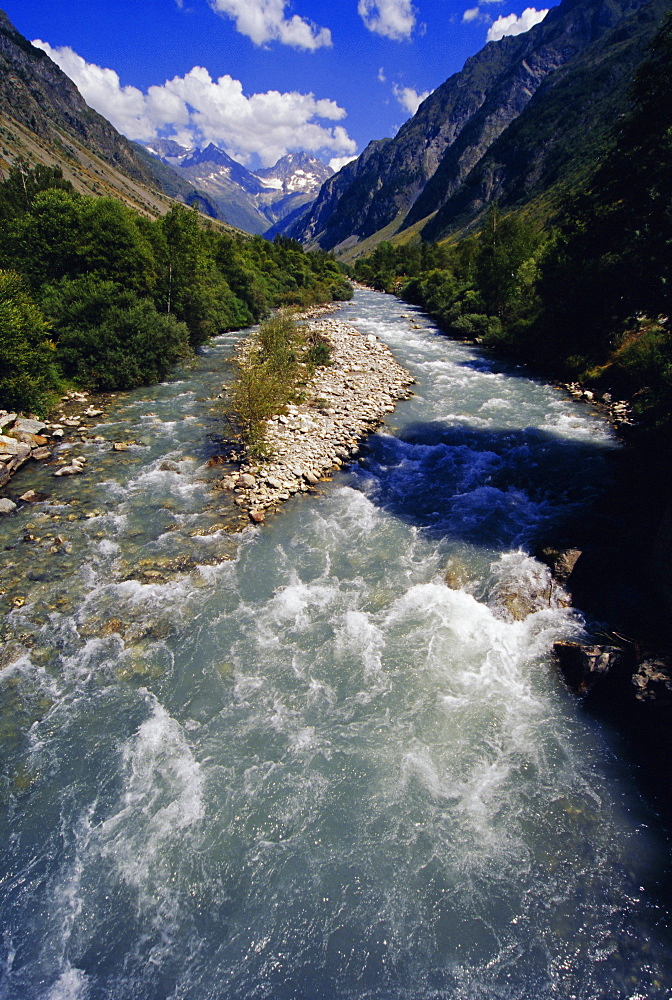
330,758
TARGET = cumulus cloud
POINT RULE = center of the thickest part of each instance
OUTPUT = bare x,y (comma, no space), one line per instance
381,75
392,18
336,162
264,21
408,98
471,15
513,25
195,109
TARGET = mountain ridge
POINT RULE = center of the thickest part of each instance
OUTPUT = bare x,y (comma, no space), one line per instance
250,200
453,129
44,119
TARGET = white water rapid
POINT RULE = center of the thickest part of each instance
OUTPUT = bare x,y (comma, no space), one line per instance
330,758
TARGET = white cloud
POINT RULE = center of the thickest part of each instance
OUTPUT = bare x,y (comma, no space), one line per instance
381,75
471,14
195,109
409,98
512,25
392,18
337,162
264,21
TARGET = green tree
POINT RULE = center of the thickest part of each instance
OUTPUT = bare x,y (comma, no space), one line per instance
23,182
46,242
108,337
28,374
505,245
115,247
189,285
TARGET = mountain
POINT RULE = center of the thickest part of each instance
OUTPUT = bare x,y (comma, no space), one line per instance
44,119
296,180
252,201
296,173
445,161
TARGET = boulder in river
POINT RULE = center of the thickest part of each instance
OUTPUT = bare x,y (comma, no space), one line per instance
561,562
585,667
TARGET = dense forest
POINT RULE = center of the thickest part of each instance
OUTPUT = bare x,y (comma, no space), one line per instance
585,297
94,295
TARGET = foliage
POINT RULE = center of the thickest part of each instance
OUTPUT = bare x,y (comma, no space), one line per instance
28,376
17,193
270,373
109,337
127,295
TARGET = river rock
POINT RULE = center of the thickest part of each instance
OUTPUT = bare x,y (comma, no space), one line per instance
7,506
24,425
653,680
11,446
561,562
586,666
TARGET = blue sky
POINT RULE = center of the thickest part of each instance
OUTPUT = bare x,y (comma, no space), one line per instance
263,77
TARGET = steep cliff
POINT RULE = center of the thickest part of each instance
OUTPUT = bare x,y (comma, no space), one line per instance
403,180
560,134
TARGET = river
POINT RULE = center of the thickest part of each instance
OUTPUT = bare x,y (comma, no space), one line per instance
328,758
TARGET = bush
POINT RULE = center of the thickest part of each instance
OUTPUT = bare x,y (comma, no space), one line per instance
109,338
28,375
269,375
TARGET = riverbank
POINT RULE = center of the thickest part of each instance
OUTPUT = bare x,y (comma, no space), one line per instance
346,401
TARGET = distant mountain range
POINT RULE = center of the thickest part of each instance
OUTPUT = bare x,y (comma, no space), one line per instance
521,121
44,119
253,201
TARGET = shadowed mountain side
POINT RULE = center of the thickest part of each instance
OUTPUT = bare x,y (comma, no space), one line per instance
554,143
406,179
497,489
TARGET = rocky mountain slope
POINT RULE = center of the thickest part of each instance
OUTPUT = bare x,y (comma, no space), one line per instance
44,119
253,201
431,161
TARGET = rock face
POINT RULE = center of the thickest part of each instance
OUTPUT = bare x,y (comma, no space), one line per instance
38,95
561,562
350,398
435,156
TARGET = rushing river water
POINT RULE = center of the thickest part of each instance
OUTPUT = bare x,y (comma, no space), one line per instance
327,759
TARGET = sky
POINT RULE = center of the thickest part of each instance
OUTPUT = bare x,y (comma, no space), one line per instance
261,78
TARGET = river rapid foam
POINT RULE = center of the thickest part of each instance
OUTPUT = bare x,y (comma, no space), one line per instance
330,759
